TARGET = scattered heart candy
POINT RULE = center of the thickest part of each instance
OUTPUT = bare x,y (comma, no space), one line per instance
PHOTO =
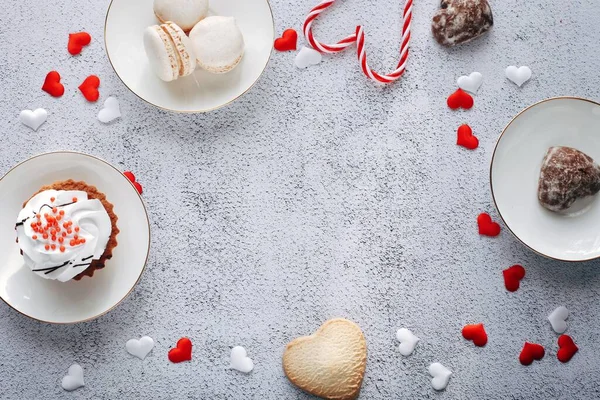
111,110
33,119
566,348
470,83
441,376
140,347
183,351
129,175
52,84
558,318
476,333
89,88
512,277
307,57
465,137
486,226
240,360
77,41
287,41
530,352
74,378
408,341
518,75
460,99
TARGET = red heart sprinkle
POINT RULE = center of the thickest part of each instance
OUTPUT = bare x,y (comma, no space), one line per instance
476,333
465,137
77,41
512,277
183,351
89,88
52,84
459,99
287,41
530,352
566,348
486,226
131,177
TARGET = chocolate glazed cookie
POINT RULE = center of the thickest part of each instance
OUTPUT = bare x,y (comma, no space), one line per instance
460,21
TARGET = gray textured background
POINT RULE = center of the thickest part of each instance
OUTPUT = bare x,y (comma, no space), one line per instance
316,195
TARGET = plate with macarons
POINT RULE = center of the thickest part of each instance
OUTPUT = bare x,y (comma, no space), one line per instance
189,55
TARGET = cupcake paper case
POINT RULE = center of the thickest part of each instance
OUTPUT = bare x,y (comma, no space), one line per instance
67,230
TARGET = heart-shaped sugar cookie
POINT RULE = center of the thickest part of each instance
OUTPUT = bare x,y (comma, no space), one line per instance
330,363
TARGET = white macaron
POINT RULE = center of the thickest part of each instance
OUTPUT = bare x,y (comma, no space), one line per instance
170,51
218,44
185,13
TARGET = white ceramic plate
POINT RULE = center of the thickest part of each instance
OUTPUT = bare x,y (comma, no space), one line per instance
201,91
515,169
73,301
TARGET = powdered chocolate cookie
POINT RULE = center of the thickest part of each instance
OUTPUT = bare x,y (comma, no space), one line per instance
567,174
459,21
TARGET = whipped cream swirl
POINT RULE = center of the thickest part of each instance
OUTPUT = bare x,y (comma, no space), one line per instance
61,232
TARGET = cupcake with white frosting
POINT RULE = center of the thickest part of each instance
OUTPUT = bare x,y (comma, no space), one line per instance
218,44
66,231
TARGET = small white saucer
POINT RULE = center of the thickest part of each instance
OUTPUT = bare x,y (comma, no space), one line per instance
74,301
201,91
515,169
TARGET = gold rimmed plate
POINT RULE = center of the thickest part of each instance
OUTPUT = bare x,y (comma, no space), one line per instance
201,91
73,301
515,170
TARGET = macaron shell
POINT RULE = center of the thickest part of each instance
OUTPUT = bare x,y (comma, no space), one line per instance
161,53
185,13
184,48
218,44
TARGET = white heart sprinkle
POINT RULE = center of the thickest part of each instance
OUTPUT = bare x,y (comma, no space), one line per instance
441,376
557,319
111,110
33,119
307,57
140,348
74,378
470,83
408,341
518,75
240,360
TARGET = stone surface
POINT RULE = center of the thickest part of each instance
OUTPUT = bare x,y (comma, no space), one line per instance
317,195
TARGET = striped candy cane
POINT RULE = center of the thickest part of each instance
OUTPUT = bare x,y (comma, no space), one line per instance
359,38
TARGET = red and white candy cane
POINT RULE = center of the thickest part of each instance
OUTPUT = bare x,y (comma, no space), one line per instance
359,38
